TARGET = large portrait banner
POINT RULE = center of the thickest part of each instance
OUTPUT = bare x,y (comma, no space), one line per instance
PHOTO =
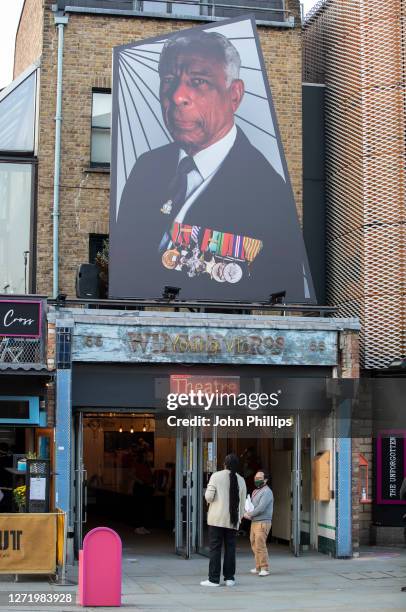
200,193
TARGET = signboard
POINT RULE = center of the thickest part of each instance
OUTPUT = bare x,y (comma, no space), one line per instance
171,344
20,318
27,543
185,383
200,192
391,466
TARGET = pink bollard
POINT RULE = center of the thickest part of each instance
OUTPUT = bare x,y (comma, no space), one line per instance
100,569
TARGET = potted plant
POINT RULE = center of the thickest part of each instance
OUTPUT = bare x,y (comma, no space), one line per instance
19,495
102,262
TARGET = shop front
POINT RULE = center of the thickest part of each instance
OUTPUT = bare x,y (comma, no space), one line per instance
26,439
140,462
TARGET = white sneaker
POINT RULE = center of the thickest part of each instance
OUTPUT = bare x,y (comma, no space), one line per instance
146,531
139,531
264,572
229,582
254,571
208,583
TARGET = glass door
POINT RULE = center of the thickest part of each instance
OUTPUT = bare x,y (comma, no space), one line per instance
296,489
186,491
207,464
80,490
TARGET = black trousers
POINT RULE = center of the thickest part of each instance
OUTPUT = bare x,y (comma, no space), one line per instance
218,536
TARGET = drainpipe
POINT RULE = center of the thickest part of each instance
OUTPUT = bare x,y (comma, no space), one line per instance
60,22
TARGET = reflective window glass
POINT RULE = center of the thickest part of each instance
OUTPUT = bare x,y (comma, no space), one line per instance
101,121
17,117
15,218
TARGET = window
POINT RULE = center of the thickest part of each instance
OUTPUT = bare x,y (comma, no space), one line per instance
15,227
264,10
96,244
101,122
17,116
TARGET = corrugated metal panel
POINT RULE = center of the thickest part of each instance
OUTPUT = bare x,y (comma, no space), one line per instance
24,367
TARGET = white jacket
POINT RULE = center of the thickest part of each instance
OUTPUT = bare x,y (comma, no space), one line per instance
217,495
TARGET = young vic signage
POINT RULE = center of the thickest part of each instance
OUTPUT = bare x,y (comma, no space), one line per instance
172,344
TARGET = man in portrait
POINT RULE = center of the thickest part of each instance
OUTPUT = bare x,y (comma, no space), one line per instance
206,212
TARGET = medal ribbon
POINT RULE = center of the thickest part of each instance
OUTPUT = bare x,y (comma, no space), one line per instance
185,233
252,247
227,245
175,232
220,243
195,233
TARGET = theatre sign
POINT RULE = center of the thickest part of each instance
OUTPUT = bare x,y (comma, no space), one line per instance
180,344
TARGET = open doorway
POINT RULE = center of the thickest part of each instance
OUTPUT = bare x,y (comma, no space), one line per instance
128,479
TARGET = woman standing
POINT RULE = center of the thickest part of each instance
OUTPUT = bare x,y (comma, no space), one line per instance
225,493
261,517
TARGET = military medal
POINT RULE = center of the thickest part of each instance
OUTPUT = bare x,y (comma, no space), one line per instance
170,259
232,273
167,207
210,265
226,251
217,272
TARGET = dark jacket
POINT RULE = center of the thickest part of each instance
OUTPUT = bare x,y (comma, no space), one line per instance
245,196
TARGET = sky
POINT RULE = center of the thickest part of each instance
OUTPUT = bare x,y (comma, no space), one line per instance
10,11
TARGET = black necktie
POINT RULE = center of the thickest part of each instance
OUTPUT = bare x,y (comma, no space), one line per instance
178,186
177,193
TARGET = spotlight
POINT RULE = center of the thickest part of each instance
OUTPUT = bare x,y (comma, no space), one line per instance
60,300
170,293
277,298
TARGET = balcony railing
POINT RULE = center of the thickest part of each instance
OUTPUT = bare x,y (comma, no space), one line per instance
265,11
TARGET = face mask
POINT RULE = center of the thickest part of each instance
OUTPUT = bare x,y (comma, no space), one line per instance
258,483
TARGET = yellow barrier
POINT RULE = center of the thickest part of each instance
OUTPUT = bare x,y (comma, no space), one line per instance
60,537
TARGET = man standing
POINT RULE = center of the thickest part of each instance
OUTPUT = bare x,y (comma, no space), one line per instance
261,517
207,211
225,494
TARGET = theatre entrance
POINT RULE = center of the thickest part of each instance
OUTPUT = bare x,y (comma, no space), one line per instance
150,487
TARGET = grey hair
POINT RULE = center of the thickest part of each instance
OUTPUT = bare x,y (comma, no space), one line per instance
213,42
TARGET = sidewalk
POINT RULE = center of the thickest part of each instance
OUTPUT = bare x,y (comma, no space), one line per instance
313,582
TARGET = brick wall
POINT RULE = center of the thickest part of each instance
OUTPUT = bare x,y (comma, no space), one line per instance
362,440
84,196
28,46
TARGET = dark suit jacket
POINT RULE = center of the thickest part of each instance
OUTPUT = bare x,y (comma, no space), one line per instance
246,196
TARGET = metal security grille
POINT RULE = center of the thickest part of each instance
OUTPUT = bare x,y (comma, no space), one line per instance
20,350
358,49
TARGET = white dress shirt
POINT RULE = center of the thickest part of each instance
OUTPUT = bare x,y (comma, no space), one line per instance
207,162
